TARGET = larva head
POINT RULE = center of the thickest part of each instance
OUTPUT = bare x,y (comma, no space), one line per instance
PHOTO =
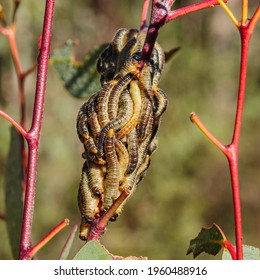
85,228
152,70
107,63
128,61
123,54
88,204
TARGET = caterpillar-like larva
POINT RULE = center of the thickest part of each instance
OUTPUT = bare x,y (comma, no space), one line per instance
118,125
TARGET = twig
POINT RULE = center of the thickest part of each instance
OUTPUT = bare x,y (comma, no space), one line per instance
161,14
46,239
14,123
99,225
144,14
34,133
195,119
231,151
192,8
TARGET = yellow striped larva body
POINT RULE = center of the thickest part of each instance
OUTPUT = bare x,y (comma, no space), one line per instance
118,125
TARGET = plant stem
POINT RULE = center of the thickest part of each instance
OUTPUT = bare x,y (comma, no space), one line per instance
229,12
253,21
46,239
234,146
34,132
233,166
195,119
231,249
244,12
231,151
99,225
192,8
144,14
161,14
22,131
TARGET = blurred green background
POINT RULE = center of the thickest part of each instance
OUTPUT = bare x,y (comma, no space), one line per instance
188,183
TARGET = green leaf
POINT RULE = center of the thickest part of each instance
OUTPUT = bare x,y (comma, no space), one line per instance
80,77
209,240
66,250
93,250
250,253
13,191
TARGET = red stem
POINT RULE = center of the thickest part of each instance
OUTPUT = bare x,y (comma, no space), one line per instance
232,149
192,8
34,133
21,130
161,14
231,249
144,14
46,239
99,225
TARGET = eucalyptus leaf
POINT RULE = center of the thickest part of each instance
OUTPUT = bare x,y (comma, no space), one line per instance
92,250
250,253
209,240
13,191
67,247
80,77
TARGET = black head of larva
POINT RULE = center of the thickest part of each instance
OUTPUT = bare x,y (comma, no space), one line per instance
107,64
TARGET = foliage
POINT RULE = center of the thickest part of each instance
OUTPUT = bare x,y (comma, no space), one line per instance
209,240
250,253
80,78
13,191
92,250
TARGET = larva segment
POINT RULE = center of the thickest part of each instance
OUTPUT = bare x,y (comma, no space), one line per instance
124,115
115,94
137,102
143,169
161,102
145,118
118,125
91,112
94,126
123,161
133,151
112,177
88,204
160,105
82,123
95,179
83,132
107,64
103,97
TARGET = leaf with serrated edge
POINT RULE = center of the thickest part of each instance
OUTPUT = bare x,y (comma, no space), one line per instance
13,191
209,240
249,252
92,250
80,77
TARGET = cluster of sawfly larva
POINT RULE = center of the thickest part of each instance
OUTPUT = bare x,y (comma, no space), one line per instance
118,125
